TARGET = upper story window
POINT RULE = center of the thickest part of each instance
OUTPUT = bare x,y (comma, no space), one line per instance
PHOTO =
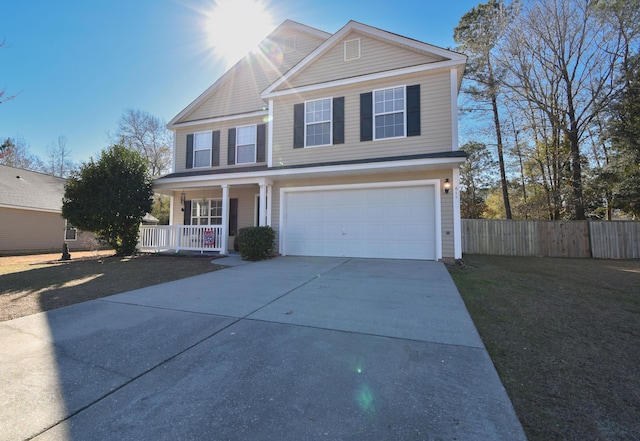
389,113
246,145
202,149
317,120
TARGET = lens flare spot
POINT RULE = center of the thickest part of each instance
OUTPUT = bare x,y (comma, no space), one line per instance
365,399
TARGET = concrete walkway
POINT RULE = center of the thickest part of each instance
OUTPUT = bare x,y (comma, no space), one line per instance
292,348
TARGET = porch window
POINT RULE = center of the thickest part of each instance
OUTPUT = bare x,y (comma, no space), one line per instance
206,212
202,149
389,113
246,145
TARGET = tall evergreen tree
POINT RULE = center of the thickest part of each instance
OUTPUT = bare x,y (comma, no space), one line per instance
477,35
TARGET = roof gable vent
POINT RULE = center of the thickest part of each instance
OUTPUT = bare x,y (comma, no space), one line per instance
289,44
352,49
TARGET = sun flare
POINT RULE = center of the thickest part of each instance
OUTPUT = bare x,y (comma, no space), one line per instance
235,27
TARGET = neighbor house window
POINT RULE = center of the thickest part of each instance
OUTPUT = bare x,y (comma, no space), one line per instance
70,232
389,113
317,120
202,149
206,212
246,145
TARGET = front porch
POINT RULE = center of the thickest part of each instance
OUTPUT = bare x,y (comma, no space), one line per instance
206,215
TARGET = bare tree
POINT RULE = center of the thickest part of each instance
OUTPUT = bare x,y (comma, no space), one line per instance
59,158
3,96
148,135
15,152
562,59
478,34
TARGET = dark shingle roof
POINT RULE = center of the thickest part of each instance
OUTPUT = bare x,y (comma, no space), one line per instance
30,190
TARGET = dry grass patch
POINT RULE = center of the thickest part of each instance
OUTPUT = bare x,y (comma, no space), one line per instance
563,335
31,284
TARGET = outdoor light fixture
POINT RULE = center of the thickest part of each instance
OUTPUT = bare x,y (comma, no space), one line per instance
183,198
447,186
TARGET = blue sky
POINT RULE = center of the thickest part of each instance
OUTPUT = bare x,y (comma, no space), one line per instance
77,66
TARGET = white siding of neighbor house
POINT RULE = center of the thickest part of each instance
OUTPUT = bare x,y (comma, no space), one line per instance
435,116
375,56
240,92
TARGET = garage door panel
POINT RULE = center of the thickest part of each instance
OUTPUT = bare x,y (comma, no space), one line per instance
396,222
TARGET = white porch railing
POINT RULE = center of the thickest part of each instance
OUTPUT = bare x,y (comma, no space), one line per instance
180,238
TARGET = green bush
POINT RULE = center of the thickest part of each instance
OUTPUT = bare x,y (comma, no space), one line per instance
256,243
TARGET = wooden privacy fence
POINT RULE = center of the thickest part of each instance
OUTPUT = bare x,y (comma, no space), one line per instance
600,239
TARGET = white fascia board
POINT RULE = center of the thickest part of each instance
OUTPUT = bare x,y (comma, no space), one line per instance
363,78
303,28
219,119
251,177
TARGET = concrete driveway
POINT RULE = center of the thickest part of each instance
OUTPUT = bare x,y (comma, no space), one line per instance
292,348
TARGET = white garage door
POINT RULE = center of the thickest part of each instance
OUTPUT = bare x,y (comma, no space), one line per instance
388,222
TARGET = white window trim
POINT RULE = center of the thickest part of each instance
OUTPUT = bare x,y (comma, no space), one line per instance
209,200
404,111
330,123
195,149
255,143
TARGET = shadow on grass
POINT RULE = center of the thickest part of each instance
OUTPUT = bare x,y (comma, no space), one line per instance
66,283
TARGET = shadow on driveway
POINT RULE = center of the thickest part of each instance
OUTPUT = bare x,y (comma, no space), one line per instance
287,349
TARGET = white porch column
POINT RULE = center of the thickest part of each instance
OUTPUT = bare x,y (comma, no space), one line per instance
269,199
225,218
263,205
171,201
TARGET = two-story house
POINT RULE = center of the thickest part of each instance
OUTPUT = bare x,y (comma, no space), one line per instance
345,144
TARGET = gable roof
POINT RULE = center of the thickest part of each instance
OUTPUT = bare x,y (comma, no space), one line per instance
25,189
263,47
449,58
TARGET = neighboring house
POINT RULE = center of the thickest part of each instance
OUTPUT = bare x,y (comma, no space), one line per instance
343,143
30,213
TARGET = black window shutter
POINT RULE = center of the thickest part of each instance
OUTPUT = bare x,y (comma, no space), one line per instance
298,126
261,142
215,149
413,110
190,150
366,116
187,213
233,217
338,120
231,151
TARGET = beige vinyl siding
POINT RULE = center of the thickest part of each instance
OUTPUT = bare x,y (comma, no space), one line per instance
240,92
375,56
181,142
446,200
29,231
435,116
